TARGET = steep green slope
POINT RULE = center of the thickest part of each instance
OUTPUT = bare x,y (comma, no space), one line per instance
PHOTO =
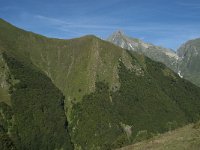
185,138
107,89
190,61
147,100
67,62
36,117
73,65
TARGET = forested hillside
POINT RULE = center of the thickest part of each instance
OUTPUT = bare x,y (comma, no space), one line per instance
86,92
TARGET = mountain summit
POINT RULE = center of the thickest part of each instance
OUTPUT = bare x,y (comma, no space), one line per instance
120,39
185,62
157,53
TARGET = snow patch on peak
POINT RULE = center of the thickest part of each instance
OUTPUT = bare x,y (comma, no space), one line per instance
131,46
123,44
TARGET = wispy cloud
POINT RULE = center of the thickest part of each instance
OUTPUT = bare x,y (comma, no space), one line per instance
166,22
76,24
164,34
150,27
50,20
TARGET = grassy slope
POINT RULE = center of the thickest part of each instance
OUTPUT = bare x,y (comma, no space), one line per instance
185,138
67,62
137,87
148,99
73,65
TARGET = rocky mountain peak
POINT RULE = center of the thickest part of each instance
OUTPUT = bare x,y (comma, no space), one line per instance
157,53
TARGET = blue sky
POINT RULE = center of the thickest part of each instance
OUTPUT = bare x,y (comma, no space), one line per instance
167,23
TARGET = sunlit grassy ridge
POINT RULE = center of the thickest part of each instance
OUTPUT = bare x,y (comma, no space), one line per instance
74,62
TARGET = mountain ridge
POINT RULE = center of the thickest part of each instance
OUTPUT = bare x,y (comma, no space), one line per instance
180,62
189,53
157,53
106,89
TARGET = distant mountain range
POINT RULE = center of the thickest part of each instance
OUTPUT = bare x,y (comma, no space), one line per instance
185,62
87,93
